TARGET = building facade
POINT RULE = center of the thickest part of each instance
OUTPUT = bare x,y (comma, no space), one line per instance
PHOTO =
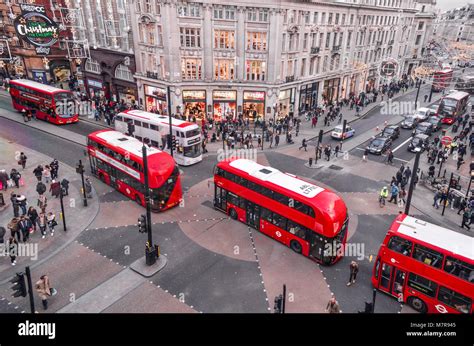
232,57
456,25
54,67
109,70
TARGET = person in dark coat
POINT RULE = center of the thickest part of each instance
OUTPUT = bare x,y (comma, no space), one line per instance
354,269
33,216
38,172
65,186
55,188
15,204
54,169
40,188
22,160
15,176
2,235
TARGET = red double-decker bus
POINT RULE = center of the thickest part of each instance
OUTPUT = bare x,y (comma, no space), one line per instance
429,267
442,79
51,104
309,219
452,106
116,159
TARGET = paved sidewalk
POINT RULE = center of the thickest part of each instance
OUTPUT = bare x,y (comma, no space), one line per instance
78,217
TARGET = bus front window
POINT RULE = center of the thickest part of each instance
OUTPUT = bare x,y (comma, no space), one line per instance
192,133
192,151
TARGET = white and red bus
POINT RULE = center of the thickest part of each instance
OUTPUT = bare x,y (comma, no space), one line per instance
116,159
442,79
52,104
155,127
309,219
452,106
429,267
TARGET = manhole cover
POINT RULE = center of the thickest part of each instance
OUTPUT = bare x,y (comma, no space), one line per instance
336,168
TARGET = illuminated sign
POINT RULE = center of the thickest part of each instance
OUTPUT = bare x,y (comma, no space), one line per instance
157,92
34,27
224,95
194,95
254,96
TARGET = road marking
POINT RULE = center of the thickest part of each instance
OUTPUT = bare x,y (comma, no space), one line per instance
405,161
401,145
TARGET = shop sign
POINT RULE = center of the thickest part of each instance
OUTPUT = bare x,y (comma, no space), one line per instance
254,96
35,27
284,94
94,83
224,95
156,92
194,95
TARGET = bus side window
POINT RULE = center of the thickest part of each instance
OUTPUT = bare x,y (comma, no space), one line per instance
377,267
454,299
266,215
400,245
428,256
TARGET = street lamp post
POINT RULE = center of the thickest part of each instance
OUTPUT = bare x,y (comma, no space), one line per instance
417,92
63,216
412,181
320,139
344,125
150,250
170,143
447,193
80,170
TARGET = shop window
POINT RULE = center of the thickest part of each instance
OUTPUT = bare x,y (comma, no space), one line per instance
124,73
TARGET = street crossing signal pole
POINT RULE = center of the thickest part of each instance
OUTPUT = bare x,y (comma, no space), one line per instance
320,139
417,92
63,216
283,305
151,252
344,125
412,181
80,170
168,92
30,290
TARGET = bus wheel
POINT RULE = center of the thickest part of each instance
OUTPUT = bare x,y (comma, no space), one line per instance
138,200
417,304
233,213
296,246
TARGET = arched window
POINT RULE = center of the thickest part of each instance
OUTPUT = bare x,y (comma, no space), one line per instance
123,72
93,66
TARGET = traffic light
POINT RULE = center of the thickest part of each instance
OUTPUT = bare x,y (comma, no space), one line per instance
19,285
130,128
80,169
142,224
278,304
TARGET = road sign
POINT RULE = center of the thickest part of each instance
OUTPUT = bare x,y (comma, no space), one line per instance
446,140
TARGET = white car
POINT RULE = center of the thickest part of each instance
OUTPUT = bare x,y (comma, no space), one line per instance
422,113
337,132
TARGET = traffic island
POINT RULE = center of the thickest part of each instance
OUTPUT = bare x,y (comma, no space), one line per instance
141,267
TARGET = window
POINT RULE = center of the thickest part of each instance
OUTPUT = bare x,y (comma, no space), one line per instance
257,41
266,215
227,12
297,230
336,19
454,300
255,70
283,43
224,69
233,199
281,198
257,15
418,40
303,67
148,7
191,68
159,41
189,10
306,18
315,18
124,73
343,20
147,33
323,18
305,41
459,268
224,39
400,245
422,284
190,37
279,221
93,66
349,37
420,25
352,19
427,256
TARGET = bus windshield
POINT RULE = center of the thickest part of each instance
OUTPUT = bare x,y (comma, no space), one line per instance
192,133
192,151
449,103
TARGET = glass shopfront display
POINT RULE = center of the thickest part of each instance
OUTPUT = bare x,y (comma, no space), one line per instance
308,97
286,101
155,100
331,89
95,88
370,85
254,105
194,102
224,104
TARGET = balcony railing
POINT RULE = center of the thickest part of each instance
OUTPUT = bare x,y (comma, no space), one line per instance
152,75
315,50
290,79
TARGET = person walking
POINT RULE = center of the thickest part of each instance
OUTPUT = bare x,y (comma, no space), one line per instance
47,174
393,193
43,288
354,269
459,162
42,223
303,145
42,202
88,186
466,218
333,306
12,250
15,204
327,152
436,198
54,168
33,216
55,188
38,172
390,157
336,150
14,228
277,140
40,188
51,219
24,225
366,154
15,176
22,201
22,161
407,173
